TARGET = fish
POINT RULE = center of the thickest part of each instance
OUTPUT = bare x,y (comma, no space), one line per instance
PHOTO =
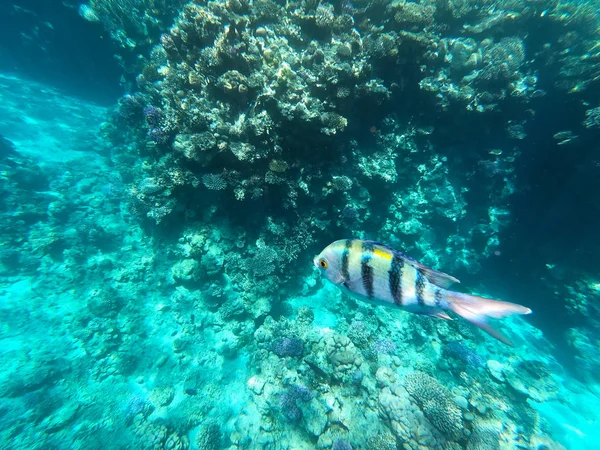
378,274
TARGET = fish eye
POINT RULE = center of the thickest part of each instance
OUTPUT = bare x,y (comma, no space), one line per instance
323,263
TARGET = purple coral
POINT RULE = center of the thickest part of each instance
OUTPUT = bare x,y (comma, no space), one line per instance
341,444
130,106
383,346
288,401
288,346
153,116
159,135
461,352
356,377
137,405
157,131
350,213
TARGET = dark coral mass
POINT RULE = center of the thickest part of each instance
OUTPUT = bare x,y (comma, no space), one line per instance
170,168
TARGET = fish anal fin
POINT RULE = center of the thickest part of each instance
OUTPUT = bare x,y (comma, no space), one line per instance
494,332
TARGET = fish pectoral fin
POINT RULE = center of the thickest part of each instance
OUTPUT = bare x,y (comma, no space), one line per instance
441,315
340,280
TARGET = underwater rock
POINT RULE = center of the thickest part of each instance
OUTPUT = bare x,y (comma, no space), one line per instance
342,355
187,272
260,308
228,344
407,421
162,396
137,404
496,370
315,417
279,123
385,377
461,402
104,303
176,442
533,379
256,384
62,418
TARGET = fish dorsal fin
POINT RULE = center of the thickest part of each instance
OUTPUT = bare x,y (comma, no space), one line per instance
440,279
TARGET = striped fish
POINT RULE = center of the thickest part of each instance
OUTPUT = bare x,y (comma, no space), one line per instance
378,274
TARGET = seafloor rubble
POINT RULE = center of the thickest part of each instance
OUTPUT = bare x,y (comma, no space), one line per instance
114,346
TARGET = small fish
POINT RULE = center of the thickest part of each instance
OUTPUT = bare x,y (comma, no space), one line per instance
378,274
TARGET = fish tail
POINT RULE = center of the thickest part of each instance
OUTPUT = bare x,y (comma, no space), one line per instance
478,309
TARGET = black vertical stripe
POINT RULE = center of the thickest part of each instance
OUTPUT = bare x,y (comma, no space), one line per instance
346,259
438,297
366,270
395,278
420,288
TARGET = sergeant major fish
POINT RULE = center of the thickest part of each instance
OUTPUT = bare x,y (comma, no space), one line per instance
376,273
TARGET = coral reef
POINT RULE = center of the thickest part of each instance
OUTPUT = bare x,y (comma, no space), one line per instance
235,98
161,292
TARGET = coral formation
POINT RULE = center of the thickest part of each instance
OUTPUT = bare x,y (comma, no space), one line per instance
161,292
436,403
236,98
288,347
288,402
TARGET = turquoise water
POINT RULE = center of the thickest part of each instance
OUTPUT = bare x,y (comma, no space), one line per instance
157,289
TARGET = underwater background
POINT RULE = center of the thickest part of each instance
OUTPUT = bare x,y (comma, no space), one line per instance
169,169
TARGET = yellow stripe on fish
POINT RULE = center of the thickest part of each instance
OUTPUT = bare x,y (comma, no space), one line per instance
383,253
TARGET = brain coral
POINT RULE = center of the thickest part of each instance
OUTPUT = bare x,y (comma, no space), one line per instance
407,421
436,402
